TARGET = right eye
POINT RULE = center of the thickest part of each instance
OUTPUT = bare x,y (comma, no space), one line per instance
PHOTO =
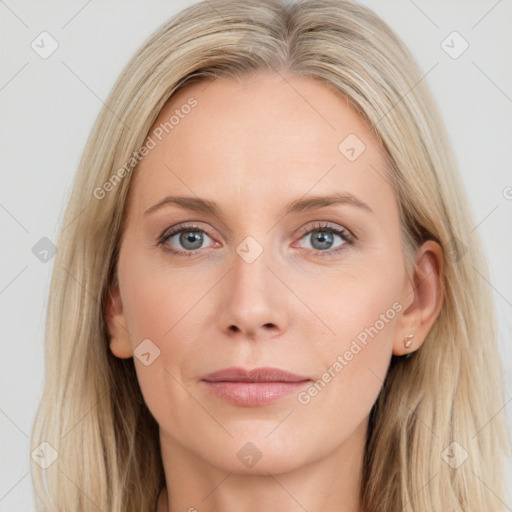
189,237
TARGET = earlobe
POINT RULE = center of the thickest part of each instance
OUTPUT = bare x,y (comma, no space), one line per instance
120,344
427,290
121,348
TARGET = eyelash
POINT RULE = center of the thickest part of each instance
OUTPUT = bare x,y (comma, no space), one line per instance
343,233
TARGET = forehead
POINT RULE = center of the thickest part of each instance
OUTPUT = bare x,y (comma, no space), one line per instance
264,140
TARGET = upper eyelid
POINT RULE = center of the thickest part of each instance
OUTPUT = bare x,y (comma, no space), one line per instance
325,225
172,231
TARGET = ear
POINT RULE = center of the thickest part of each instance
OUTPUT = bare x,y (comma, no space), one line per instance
423,293
116,322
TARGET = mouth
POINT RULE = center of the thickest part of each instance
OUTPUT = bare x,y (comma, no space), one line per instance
252,388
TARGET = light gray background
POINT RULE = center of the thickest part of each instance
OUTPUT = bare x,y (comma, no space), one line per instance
49,105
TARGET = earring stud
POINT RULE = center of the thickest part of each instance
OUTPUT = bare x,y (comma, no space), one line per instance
408,340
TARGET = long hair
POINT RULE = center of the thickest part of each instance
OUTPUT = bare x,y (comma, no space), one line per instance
445,399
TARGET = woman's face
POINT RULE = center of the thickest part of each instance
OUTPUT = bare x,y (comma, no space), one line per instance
267,274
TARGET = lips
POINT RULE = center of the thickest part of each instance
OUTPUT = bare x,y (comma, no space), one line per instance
237,374
253,388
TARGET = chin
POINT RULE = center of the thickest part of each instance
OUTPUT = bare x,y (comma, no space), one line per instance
259,455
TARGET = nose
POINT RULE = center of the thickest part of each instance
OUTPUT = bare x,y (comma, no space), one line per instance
254,304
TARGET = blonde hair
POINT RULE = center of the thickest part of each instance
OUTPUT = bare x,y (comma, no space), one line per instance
92,411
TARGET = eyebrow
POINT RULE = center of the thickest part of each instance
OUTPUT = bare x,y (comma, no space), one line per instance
197,204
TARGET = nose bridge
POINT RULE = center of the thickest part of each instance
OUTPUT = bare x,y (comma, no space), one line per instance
254,297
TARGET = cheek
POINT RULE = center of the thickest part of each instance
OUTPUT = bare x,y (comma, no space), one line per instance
359,311
157,299
158,313
164,305
360,302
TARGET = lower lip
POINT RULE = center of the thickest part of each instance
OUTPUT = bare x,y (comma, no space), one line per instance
253,394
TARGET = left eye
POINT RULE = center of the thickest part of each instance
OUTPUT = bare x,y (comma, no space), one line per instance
322,239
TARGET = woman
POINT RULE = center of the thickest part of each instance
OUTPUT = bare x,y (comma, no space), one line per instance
267,300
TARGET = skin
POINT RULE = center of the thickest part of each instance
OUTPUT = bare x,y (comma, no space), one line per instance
253,147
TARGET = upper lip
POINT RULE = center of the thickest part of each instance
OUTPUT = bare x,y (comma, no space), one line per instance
267,374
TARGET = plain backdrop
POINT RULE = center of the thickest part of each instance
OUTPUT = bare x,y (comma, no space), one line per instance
49,106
